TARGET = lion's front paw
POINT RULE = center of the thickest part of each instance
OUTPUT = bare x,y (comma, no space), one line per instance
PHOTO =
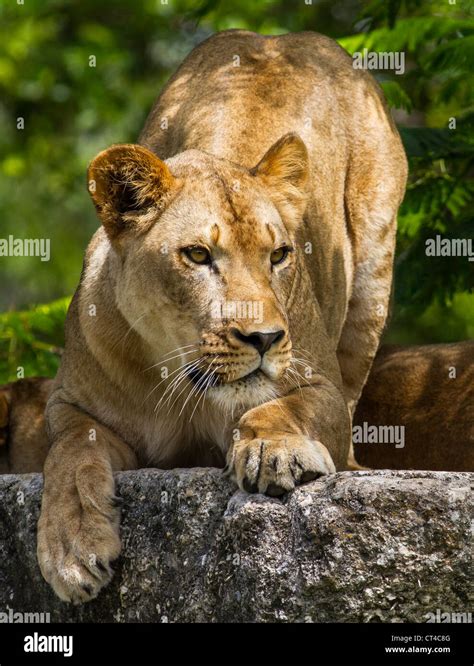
276,464
78,537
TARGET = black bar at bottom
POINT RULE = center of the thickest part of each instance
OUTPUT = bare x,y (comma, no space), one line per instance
163,644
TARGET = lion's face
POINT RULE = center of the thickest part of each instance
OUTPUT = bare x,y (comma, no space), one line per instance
205,266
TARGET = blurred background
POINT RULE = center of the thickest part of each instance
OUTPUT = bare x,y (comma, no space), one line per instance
72,110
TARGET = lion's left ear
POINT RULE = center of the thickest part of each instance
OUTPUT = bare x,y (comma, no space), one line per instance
284,169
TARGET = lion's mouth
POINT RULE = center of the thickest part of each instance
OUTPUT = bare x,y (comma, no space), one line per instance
255,373
206,379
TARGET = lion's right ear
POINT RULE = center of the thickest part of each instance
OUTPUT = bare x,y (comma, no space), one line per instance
126,180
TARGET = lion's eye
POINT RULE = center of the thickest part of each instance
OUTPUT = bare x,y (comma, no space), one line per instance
279,255
198,255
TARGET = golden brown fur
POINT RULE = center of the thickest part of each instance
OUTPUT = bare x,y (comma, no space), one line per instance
23,441
430,391
283,175
410,386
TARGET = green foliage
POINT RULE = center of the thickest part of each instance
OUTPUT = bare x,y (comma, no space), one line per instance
396,97
437,90
72,110
31,342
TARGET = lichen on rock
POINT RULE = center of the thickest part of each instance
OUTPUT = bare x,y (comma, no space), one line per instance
352,547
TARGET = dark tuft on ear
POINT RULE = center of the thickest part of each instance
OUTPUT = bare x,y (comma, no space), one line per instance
126,180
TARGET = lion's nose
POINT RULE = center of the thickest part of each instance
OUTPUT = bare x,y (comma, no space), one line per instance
261,341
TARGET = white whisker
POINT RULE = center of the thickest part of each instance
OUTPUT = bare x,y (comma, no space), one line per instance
163,380
184,378
198,384
171,388
164,358
203,394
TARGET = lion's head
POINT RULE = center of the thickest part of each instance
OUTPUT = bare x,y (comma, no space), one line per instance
204,260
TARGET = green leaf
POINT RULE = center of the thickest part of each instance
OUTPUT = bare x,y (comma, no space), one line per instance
32,340
457,54
395,95
409,34
433,143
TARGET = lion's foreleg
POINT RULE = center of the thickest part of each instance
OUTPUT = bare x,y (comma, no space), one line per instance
78,529
290,440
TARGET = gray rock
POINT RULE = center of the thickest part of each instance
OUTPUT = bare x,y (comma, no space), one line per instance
352,547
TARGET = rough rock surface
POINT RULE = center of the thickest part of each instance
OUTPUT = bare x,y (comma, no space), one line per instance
355,546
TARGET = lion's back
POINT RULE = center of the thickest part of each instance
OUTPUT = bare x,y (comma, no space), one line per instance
238,92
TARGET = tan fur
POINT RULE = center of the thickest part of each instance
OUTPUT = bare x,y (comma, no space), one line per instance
430,391
291,148
410,386
23,441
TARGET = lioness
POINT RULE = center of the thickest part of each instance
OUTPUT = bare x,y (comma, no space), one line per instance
232,302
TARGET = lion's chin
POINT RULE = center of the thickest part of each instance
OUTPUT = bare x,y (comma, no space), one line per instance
249,391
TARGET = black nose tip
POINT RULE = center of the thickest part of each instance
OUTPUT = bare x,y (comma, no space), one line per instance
261,341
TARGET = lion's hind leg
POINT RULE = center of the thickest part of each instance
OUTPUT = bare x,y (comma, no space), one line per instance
374,191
